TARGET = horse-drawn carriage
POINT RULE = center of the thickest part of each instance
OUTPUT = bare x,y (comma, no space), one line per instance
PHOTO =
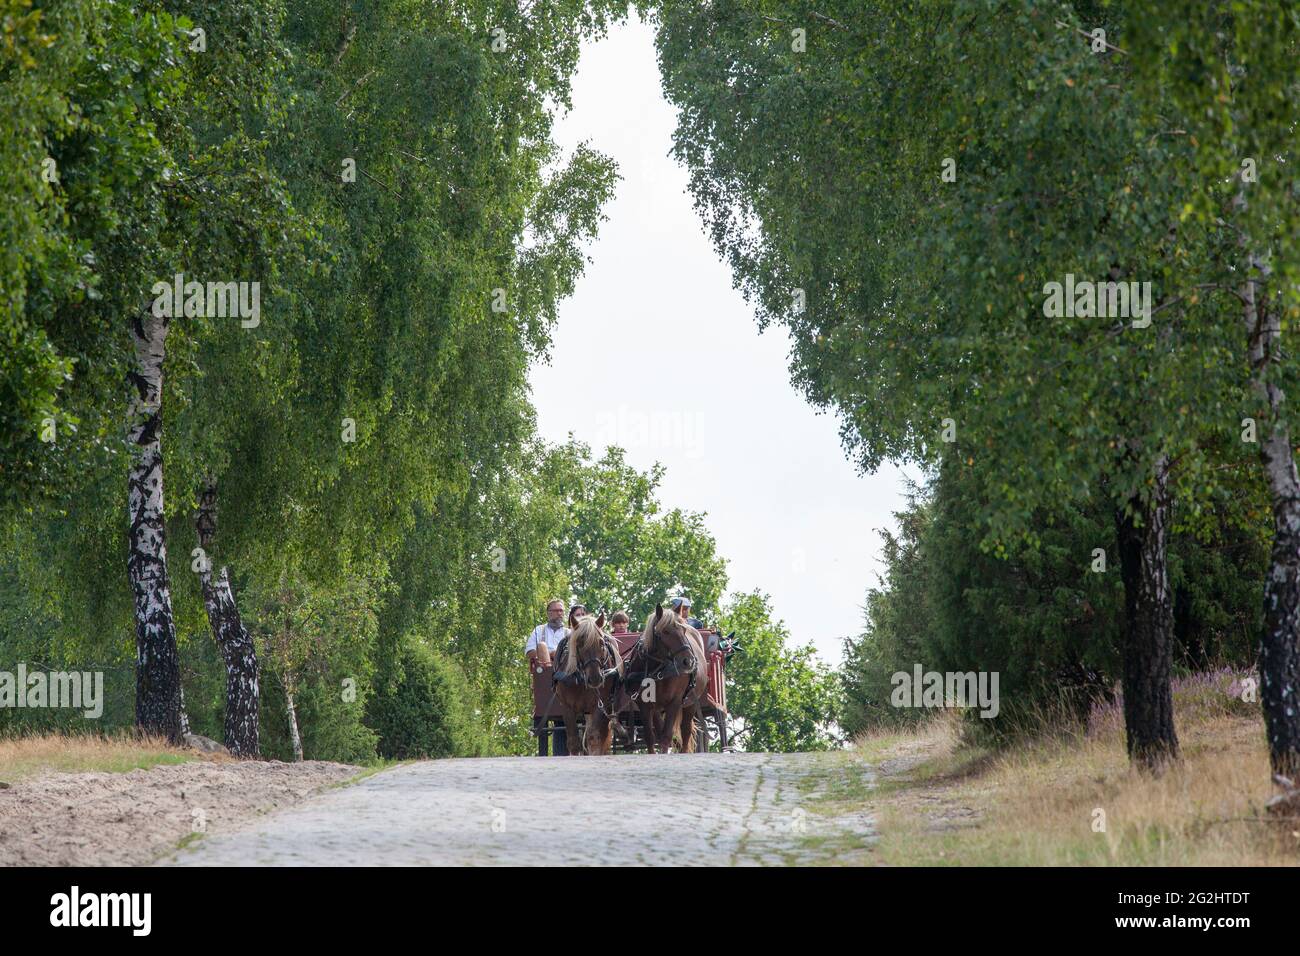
629,734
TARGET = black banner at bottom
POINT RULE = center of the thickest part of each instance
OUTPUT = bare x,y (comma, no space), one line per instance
136,906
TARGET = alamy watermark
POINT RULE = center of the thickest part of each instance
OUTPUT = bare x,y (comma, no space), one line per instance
130,910
946,689
633,428
1086,299
211,300
76,690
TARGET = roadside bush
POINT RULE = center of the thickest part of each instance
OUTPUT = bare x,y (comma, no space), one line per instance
420,707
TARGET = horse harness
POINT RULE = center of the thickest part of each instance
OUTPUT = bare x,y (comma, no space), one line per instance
610,654
668,667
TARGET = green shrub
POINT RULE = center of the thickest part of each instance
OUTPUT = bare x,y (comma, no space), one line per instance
420,707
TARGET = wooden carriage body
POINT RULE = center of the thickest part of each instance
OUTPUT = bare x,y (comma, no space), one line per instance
547,716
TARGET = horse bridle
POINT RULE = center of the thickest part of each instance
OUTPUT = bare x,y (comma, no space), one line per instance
607,653
663,662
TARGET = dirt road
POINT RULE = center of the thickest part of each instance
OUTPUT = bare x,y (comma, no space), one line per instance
721,809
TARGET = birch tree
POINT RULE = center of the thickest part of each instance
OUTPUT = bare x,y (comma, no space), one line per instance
902,194
1224,76
385,385
238,652
158,680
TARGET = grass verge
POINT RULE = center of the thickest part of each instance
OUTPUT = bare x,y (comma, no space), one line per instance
26,756
1071,798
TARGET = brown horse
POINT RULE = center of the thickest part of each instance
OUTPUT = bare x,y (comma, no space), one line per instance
588,667
670,658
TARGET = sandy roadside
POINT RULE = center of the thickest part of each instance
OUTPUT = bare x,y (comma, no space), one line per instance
126,819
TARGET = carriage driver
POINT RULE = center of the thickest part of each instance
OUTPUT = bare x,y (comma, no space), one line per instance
549,633
682,605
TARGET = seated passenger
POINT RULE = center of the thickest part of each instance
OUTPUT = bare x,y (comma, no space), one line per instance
576,612
541,644
682,605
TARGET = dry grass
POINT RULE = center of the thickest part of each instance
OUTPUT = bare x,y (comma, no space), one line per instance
940,727
27,756
933,748
941,801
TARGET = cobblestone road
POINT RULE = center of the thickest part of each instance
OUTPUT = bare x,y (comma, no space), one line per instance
682,809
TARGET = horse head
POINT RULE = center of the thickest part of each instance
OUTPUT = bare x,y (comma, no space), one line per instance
672,639
590,655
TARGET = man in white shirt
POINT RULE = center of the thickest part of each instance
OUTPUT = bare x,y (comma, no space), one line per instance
550,634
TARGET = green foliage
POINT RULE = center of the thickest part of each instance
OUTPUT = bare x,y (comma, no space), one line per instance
318,645
470,578
1224,76
899,617
84,167
421,707
1043,617
619,548
924,298
782,697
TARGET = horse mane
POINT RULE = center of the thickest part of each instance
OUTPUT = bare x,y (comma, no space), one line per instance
583,635
649,640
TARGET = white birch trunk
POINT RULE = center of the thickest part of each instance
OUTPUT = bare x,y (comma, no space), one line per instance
1279,653
241,727
294,736
158,707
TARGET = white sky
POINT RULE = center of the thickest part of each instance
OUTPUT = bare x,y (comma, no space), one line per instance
789,512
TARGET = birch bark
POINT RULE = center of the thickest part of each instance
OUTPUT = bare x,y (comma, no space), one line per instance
294,736
1149,626
1279,653
241,727
158,707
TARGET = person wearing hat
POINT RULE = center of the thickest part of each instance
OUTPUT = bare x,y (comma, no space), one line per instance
682,605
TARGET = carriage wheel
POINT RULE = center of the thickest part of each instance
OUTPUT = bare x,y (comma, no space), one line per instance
711,733
701,731
635,737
